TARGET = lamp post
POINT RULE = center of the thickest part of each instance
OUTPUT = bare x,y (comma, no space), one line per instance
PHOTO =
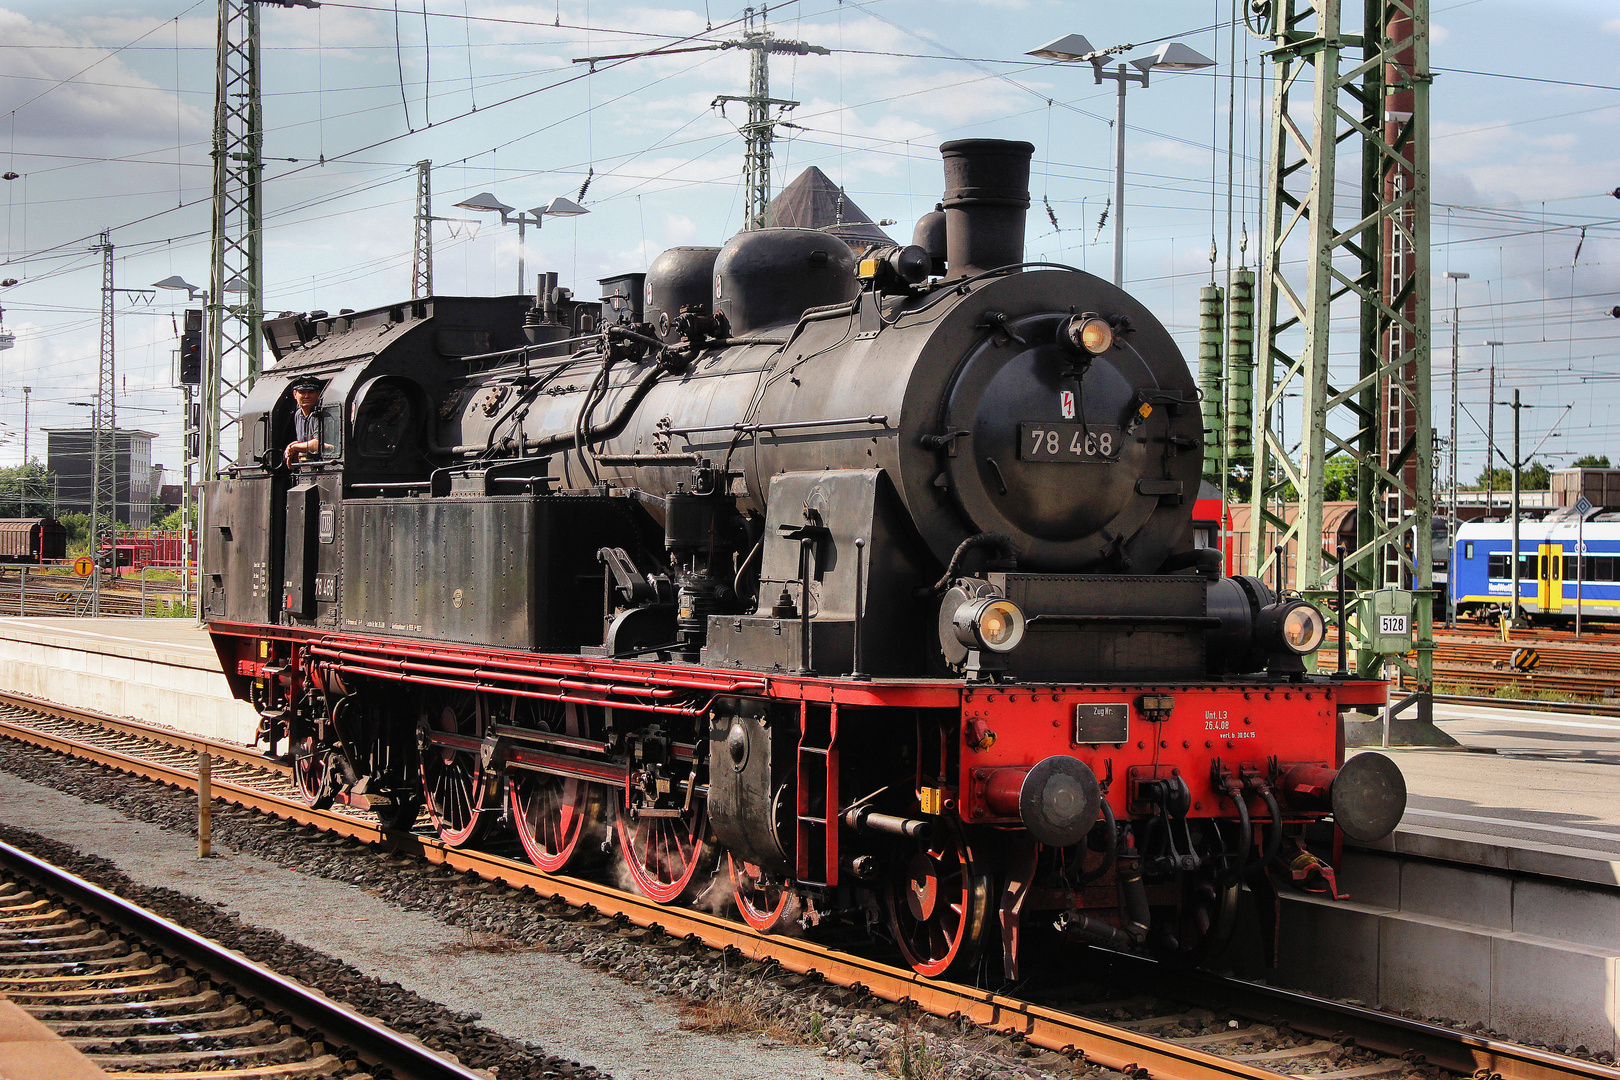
1173,56
558,207
1454,276
1490,433
96,510
189,517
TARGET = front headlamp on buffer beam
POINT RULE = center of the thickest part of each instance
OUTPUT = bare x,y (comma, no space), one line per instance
978,628
989,622
1288,631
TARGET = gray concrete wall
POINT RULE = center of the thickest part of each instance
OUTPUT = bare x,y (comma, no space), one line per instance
1531,956
156,685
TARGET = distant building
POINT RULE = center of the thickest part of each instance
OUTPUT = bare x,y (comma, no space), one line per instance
68,455
813,201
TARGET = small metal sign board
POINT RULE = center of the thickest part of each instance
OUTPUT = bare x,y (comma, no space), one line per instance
1390,628
1583,506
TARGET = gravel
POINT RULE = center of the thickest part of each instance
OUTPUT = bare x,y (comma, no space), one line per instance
756,1003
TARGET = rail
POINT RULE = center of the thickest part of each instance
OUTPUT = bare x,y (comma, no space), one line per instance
405,1058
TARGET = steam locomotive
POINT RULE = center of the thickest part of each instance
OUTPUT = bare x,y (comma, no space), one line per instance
862,587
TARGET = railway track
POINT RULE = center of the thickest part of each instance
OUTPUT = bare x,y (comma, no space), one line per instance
1486,677
140,996
56,594
1280,1033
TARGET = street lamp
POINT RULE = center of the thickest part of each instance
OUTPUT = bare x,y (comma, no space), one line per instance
188,511
1454,276
175,281
1173,56
489,204
1490,432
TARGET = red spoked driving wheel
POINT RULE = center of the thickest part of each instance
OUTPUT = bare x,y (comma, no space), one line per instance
453,785
664,850
766,903
559,819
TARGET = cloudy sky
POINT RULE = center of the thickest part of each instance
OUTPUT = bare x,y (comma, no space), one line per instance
105,116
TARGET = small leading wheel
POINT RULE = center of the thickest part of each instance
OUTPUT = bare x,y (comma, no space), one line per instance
309,771
1199,928
452,771
939,904
664,849
558,819
766,904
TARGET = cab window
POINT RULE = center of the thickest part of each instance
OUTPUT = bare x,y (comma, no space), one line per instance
383,423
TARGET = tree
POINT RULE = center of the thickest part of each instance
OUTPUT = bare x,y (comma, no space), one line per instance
1533,477
25,491
1339,479
1592,461
78,530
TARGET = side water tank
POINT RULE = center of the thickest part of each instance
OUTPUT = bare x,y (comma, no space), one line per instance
766,277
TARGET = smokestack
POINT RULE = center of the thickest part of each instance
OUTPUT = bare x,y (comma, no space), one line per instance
986,196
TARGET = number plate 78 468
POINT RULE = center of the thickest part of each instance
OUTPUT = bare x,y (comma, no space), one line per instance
1068,442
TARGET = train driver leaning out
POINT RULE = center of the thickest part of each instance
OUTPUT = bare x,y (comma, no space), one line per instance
306,444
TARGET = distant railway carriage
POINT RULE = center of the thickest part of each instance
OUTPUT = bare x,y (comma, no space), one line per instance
1555,574
1211,519
32,540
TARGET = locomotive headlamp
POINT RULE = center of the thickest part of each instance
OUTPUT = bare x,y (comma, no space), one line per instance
1295,625
1089,334
989,622
1303,629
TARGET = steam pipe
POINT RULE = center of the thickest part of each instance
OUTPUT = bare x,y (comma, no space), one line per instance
1133,906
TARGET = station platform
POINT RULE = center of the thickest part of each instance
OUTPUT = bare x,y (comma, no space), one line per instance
31,1051
1497,898
161,671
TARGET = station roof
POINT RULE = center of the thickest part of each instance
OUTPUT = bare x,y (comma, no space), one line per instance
813,201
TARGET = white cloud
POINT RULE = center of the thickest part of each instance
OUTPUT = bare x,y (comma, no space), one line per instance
62,108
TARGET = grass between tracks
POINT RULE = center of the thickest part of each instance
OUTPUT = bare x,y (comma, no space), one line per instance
1519,693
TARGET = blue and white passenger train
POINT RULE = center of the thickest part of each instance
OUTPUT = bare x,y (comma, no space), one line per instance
1562,564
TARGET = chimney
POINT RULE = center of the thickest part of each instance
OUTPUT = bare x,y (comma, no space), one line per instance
986,196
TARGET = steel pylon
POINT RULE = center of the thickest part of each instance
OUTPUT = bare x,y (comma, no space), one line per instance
104,434
422,249
760,129
1375,98
235,354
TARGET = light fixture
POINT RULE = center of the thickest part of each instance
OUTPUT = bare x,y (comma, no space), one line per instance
486,202
1174,56
1067,47
176,282
237,284
989,622
536,215
561,207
